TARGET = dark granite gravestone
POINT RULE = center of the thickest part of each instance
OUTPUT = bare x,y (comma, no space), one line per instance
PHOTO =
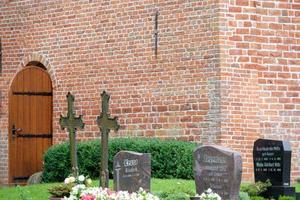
272,160
219,169
131,171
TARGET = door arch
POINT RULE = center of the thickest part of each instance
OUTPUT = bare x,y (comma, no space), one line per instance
30,122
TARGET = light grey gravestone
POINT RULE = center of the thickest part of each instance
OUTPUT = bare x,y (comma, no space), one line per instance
219,169
131,171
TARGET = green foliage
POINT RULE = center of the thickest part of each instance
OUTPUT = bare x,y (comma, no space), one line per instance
286,198
244,196
257,198
60,190
177,196
173,196
255,189
169,158
162,194
23,194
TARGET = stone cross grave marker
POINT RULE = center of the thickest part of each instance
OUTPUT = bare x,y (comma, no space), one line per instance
272,160
105,123
132,170
72,123
219,169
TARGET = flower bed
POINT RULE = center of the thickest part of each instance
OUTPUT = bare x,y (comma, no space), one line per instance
80,189
93,193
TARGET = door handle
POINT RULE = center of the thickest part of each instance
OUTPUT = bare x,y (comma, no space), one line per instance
14,131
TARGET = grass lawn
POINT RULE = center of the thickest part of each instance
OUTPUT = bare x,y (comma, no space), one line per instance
297,187
40,192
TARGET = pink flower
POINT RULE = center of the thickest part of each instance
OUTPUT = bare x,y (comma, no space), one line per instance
88,197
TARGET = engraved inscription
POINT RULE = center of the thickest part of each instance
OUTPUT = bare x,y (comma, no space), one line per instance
216,171
130,163
219,169
268,159
272,161
131,171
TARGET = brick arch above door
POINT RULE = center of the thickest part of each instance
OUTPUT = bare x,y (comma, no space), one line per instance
42,61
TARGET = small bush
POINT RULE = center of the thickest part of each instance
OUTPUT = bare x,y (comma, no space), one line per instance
244,196
162,194
169,158
173,196
286,198
177,196
255,189
60,190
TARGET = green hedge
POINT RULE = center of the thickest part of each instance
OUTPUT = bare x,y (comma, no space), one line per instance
169,158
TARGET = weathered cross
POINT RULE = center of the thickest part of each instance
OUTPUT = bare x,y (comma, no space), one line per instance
105,124
72,123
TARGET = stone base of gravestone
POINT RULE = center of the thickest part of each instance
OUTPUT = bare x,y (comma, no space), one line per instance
277,191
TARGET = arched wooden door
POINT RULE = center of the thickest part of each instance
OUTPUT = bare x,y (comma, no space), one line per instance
30,122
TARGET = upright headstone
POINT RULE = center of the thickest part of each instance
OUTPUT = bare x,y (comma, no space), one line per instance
131,171
105,123
272,160
72,123
219,169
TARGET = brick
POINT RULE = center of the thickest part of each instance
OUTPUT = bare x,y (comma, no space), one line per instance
242,2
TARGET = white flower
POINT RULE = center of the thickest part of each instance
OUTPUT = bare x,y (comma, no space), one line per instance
209,195
81,178
67,181
80,190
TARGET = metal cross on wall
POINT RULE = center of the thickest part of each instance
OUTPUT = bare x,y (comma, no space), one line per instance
156,33
105,123
72,123
0,56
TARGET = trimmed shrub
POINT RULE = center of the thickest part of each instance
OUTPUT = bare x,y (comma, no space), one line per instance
169,158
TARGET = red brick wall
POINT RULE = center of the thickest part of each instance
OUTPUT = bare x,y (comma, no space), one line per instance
91,46
260,73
